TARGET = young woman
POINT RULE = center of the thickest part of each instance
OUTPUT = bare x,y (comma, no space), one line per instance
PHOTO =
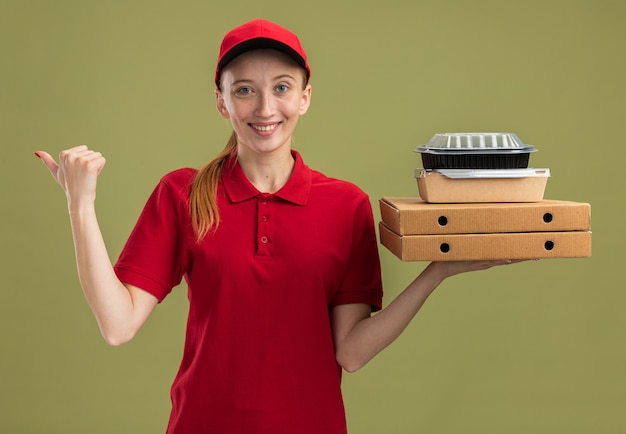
281,262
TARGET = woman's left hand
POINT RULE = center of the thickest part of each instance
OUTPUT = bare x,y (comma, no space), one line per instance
451,268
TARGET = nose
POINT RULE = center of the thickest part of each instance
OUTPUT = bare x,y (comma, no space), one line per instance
265,105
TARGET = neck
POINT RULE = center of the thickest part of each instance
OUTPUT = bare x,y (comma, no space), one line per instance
268,173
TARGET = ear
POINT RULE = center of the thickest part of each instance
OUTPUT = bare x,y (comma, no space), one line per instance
305,100
220,104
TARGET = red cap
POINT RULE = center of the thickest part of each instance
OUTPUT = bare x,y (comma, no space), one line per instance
257,34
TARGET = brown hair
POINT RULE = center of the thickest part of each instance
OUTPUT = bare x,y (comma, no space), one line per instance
205,214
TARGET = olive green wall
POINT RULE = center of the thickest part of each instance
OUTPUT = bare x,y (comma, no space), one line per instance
531,348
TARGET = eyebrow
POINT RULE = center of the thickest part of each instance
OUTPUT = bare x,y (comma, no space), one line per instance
285,76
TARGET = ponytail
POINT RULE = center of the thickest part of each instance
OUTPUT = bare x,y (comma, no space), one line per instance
203,199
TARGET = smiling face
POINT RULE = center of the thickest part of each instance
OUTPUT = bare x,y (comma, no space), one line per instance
262,93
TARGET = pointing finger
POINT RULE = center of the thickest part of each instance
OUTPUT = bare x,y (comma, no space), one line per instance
49,162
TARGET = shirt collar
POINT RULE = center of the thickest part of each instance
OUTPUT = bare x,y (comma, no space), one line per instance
239,188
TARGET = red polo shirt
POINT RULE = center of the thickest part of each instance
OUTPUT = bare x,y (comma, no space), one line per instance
258,356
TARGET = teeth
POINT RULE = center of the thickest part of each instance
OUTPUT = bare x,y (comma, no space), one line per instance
264,127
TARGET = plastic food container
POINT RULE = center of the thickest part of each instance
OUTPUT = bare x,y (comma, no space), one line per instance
482,185
475,151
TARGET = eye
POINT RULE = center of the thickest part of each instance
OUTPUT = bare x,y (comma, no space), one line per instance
282,88
244,90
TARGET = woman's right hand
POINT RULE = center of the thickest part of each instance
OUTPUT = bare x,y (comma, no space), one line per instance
76,172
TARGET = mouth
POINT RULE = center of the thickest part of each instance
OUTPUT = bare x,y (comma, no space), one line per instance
265,128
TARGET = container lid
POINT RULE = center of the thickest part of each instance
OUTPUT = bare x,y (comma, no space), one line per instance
486,173
480,143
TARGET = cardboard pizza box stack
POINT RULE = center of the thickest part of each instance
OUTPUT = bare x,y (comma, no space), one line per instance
479,200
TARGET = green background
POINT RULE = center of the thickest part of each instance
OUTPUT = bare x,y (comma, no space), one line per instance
531,348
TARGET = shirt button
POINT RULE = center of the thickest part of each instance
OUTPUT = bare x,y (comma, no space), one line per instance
264,218
263,201
264,239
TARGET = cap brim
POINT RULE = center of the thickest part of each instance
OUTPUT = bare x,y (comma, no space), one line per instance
259,43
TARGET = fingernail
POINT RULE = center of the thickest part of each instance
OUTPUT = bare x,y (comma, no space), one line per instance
37,154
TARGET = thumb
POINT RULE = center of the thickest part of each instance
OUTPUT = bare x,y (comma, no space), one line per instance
49,162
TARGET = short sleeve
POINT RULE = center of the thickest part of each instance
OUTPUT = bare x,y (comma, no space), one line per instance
362,282
154,257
